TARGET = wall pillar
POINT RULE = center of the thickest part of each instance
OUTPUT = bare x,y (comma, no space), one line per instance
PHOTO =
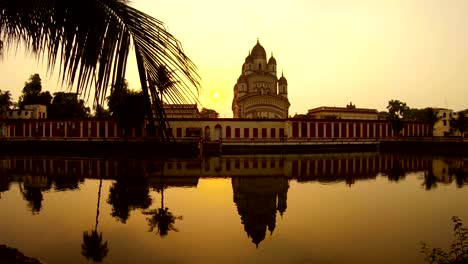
106,129
340,134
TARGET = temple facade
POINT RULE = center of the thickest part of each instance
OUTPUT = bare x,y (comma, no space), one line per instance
259,93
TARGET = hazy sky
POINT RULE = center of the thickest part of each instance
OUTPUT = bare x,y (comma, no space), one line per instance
331,51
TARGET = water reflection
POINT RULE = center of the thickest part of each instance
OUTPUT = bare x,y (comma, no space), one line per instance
161,218
135,178
143,190
130,191
257,201
31,188
93,246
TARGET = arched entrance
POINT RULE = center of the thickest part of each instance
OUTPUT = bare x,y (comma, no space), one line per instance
207,133
217,132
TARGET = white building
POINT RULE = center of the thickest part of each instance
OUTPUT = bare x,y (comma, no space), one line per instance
348,112
442,126
29,112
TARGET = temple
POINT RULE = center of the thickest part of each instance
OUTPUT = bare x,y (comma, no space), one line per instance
258,92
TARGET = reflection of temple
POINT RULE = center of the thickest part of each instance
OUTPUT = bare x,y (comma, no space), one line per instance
257,200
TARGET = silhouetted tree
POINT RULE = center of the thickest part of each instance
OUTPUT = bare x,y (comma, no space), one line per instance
67,105
128,107
460,124
92,49
431,117
395,115
5,101
101,112
207,113
32,93
458,253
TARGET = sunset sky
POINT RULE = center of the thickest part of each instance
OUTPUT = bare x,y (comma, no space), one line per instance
332,52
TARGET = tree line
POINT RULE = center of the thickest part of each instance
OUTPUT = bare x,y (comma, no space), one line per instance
399,112
60,105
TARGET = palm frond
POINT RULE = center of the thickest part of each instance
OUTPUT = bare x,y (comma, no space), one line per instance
91,40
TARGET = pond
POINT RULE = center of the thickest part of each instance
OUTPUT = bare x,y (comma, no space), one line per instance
321,208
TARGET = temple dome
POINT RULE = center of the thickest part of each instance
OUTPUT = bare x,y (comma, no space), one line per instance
258,52
249,59
272,60
282,80
242,79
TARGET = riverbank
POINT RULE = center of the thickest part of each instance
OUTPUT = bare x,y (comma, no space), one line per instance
154,148
438,147
13,256
100,148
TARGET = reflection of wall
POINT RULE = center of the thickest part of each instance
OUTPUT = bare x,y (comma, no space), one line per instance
4,182
257,200
164,182
324,168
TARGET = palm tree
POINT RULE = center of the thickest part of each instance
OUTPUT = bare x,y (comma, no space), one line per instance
92,49
93,248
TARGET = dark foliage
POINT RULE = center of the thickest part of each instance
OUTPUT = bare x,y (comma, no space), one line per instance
458,253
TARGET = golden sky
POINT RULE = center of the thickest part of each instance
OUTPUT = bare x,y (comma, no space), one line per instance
332,52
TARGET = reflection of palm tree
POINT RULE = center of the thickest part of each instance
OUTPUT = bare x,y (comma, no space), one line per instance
93,248
161,218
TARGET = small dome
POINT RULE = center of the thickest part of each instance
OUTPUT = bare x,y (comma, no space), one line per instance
242,79
272,60
249,59
282,80
258,52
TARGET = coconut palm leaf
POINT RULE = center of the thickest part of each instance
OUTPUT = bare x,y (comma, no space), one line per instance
93,247
163,220
90,40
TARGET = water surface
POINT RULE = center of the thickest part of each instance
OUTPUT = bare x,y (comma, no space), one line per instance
333,208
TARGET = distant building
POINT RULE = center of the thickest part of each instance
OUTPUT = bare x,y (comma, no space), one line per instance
181,111
348,112
29,112
442,126
258,93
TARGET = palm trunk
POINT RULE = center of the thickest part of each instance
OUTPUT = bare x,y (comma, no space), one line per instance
97,207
